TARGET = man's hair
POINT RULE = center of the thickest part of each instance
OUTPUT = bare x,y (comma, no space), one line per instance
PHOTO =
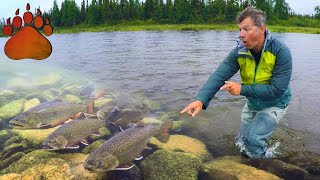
258,17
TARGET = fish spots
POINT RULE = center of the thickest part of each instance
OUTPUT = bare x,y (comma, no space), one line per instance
28,42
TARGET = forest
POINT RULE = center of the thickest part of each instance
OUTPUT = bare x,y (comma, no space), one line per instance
112,12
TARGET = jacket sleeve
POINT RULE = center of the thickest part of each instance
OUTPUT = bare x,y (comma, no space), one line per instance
279,81
223,73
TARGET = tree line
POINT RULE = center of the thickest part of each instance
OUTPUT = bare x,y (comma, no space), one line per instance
160,11
169,11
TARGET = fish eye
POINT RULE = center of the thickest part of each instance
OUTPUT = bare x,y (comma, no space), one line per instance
99,163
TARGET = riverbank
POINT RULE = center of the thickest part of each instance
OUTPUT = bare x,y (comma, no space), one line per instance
178,27
143,26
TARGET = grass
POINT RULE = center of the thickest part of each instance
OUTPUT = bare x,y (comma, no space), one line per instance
150,26
178,27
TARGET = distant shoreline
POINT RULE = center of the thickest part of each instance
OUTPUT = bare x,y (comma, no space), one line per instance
178,27
174,27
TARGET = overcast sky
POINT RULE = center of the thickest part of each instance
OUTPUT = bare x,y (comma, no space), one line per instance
9,7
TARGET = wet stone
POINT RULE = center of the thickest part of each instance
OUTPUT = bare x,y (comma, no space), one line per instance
10,150
13,158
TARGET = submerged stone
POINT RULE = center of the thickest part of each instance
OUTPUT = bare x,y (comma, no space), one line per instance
170,165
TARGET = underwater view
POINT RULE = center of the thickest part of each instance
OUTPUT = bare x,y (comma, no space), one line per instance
107,106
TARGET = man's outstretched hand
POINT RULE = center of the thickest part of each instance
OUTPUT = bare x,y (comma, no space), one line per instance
193,108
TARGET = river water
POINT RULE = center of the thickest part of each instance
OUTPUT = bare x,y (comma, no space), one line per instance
170,67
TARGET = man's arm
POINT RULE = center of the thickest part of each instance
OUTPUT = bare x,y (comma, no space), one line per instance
279,80
223,73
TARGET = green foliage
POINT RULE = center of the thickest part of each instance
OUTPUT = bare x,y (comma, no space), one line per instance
317,15
113,12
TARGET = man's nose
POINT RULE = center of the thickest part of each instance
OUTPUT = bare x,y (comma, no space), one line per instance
242,34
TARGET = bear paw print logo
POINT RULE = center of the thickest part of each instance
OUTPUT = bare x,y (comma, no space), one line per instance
28,42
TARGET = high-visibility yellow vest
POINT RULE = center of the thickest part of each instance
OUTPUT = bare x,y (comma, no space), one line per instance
252,73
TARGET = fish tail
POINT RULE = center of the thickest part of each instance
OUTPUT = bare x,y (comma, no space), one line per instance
164,135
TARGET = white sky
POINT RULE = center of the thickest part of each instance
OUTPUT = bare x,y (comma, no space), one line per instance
9,7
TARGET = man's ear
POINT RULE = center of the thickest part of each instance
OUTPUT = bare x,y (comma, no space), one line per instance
262,28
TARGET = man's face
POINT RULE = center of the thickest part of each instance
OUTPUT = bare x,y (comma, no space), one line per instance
251,35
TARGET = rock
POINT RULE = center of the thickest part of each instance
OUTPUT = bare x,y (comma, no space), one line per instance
283,170
71,98
79,173
101,102
34,136
29,160
7,96
48,80
170,165
148,120
11,109
17,82
229,169
4,136
53,169
30,104
309,162
10,150
74,159
90,148
45,95
11,176
15,157
181,143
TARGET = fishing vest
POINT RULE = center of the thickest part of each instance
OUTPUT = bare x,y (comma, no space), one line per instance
252,73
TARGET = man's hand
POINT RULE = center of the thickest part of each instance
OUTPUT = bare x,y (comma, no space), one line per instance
233,88
193,108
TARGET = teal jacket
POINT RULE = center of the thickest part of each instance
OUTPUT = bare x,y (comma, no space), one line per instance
275,93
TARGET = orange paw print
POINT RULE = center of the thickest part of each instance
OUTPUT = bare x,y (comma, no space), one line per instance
28,42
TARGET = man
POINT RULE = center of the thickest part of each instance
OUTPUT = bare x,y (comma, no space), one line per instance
265,66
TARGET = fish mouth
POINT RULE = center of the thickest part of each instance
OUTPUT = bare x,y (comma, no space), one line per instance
89,168
16,126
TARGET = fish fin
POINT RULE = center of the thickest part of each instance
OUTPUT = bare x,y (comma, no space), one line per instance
101,115
124,167
85,142
121,129
72,147
89,116
77,115
90,106
164,135
95,134
138,158
81,115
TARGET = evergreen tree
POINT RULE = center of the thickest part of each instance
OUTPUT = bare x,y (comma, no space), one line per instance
82,11
196,10
149,9
219,10
317,9
92,16
281,9
170,11
231,10
182,11
55,14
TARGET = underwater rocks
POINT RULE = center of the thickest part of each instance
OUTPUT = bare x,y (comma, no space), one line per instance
226,168
181,143
170,165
